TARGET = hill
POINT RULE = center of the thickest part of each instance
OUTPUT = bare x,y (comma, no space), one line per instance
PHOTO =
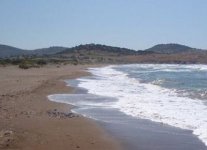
47,51
162,53
98,48
97,53
94,53
171,49
9,51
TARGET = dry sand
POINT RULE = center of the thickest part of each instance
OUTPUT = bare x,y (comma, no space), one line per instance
29,121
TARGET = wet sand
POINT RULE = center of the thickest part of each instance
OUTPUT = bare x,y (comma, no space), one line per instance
29,121
134,133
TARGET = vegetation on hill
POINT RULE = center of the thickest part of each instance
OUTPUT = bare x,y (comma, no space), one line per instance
99,48
96,53
13,52
171,49
9,51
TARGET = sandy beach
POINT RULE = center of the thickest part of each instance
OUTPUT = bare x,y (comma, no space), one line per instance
29,121
101,96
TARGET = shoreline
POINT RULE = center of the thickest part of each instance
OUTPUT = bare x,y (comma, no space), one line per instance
28,120
132,132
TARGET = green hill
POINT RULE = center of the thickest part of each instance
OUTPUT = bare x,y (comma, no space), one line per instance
171,49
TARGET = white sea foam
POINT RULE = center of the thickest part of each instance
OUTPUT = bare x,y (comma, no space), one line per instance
149,101
171,67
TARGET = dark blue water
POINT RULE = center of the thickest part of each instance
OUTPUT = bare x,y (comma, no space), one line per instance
187,80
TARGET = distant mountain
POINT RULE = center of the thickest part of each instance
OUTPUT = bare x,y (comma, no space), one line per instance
48,51
171,49
9,51
98,48
97,53
162,53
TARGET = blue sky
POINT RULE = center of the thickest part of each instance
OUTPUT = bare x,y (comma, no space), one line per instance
136,24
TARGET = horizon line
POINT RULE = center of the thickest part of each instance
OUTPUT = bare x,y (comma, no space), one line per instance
102,45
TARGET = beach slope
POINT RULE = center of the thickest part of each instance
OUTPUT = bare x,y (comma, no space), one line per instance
29,121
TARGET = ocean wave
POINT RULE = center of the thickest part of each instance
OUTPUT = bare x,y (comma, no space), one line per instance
150,101
169,67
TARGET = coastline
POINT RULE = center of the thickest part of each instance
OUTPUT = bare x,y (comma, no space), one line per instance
132,132
28,120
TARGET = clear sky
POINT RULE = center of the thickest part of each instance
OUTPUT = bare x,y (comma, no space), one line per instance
136,24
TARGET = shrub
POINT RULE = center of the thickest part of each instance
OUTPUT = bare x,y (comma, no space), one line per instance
24,66
41,62
16,61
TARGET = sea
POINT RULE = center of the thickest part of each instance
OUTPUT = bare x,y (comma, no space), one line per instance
172,95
